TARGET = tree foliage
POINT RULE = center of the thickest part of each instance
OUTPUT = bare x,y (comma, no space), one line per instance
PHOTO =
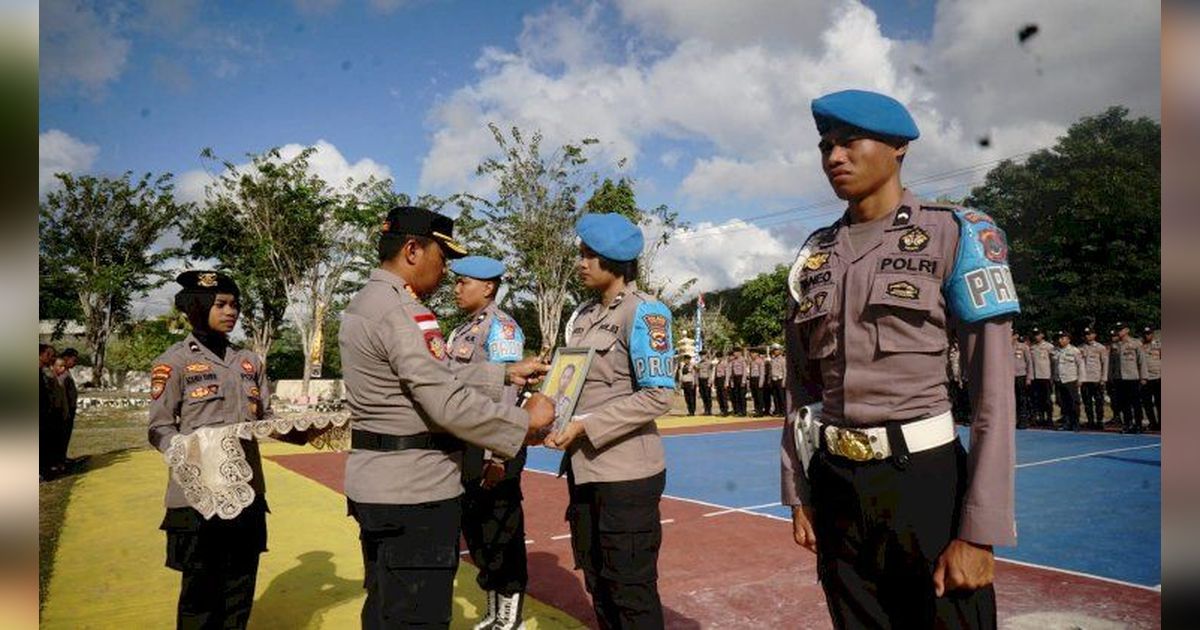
141,342
1082,221
100,243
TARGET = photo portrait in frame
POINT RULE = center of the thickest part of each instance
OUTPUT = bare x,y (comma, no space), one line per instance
565,381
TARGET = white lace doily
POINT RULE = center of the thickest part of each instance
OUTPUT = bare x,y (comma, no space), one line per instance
210,465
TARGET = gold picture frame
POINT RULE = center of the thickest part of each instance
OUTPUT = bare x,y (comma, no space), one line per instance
564,382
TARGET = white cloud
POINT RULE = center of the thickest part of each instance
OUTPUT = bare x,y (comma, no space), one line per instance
327,162
80,46
745,250
736,80
59,152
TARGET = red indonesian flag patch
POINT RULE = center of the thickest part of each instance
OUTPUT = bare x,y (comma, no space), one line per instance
428,324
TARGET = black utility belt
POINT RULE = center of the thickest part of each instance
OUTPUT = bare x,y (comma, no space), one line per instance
371,441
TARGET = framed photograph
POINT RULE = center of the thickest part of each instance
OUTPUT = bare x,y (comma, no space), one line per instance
565,380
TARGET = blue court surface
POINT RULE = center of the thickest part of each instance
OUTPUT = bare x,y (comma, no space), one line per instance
1086,502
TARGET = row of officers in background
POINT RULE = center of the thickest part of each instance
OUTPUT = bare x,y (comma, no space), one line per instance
1127,369
731,376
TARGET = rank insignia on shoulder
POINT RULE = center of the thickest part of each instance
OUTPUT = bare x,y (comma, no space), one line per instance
437,346
197,367
904,290
903,216
914,240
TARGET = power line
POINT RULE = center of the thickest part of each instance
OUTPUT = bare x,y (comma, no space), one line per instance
808,208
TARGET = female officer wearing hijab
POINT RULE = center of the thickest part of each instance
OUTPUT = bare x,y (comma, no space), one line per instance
614,456
199,382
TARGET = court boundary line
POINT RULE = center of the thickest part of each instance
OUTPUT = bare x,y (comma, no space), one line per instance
998,558
1067,458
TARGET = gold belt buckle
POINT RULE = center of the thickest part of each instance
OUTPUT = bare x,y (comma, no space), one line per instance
853,445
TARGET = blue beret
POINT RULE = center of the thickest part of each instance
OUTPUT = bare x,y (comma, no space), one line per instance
869,111
479,267
610,235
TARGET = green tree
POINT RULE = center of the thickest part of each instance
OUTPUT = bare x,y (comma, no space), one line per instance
100,241
766,294
141,342
1083,223
534,214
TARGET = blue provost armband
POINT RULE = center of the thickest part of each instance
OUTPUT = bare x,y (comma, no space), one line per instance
650,346
980,286
505,341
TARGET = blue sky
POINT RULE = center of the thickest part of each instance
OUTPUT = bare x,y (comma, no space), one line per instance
707,100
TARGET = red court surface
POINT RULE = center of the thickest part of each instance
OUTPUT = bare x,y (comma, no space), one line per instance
721,568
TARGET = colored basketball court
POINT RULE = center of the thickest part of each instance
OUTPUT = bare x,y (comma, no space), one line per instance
1087,510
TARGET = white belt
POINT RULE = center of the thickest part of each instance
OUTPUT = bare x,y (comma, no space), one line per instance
868,443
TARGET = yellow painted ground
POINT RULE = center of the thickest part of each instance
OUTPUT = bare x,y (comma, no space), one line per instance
109,570
671,422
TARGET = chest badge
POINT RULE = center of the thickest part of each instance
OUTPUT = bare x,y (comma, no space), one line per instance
914,240
197,367
816,261
247,366
904,290
811,302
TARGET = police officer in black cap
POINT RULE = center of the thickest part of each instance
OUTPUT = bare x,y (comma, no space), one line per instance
203,381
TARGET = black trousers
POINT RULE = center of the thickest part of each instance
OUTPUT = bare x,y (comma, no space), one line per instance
218,560
722,397
756,395
1068,404
493,525
1093,403
880,528
1127,401
616,534
410,555
777,391
738,392
1021,390
689,397
1039,394
706,395
1152,401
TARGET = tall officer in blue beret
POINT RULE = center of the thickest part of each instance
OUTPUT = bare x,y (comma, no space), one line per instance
493,520
614,459
901,518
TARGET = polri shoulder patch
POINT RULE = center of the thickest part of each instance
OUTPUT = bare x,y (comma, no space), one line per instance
980,286
505,340
651,347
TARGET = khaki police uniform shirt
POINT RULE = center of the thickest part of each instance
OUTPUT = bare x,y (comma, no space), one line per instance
1022,360
622,441
737,370
1042,353
1068,364
398,381
190,388
1095,362
721,369
704,369
1153,351
872,348
1130,359
778,368
468,343
685,372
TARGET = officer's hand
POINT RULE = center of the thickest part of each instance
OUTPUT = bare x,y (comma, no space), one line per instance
802,529
563,439
493,473
528,371
541,416
963,566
